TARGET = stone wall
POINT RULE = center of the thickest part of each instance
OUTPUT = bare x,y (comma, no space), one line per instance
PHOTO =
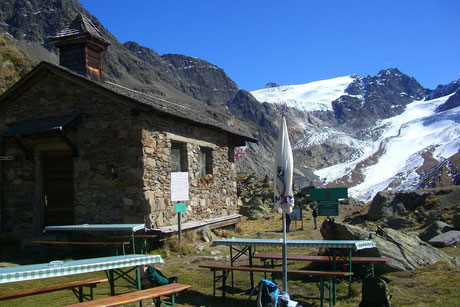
122,174
211,196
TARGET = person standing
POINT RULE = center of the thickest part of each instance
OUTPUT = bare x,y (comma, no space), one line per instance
288,222
315,215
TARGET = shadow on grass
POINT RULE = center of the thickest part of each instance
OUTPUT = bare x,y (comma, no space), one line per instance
195,298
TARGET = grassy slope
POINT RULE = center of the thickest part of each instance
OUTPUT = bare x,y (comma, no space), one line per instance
13,63
435,285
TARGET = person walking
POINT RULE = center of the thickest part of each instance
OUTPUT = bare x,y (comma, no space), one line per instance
315,215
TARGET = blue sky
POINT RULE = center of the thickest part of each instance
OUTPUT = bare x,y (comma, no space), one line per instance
295,42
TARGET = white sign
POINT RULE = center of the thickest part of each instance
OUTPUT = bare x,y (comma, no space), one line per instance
179,186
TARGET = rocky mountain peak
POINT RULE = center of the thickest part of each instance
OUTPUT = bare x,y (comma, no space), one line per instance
444,90
271,84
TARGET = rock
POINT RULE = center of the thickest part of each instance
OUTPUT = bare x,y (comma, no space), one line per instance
381,206
199,247
406,252
206,234
456,220
436,228
433,217
449,238
399,222
255,208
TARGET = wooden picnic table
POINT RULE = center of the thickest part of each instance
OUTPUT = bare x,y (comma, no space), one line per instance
129,229
115,267
245,246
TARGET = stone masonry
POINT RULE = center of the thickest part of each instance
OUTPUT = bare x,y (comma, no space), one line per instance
122,172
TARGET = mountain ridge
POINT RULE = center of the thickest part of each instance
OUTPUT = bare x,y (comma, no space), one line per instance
321,138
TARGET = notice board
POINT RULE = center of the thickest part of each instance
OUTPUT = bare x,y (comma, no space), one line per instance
179,186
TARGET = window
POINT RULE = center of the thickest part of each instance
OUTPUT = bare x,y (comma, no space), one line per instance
178,157
205,161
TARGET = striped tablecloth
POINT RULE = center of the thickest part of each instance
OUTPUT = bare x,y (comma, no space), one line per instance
349,244
96,227
64,268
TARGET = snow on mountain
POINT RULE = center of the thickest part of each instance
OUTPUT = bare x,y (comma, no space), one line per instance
318,135
314,96
399,149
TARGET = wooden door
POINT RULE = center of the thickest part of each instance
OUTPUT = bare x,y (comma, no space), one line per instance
58,188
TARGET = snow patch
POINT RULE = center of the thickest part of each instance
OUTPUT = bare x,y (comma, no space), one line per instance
314,96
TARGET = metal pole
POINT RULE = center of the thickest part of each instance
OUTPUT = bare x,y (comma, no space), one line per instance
179,228
284,255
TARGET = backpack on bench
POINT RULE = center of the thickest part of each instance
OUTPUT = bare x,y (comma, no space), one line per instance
156,278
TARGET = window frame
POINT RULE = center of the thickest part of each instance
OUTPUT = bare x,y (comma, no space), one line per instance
207,168
182,147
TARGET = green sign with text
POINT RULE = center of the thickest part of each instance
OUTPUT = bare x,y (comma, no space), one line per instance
179,207
329,194
328,207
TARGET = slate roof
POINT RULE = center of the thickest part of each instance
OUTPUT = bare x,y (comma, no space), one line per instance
80,25
144,101
40,125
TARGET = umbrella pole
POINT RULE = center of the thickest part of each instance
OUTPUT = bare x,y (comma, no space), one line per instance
284,255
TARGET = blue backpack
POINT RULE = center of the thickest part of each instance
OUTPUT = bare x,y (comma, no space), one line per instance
267,295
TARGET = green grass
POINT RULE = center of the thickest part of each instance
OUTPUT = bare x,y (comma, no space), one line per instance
436,285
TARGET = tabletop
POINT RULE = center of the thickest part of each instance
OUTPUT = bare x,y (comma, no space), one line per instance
350,244
64,268
96,227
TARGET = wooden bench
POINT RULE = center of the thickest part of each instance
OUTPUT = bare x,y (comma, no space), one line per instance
138,296
367,260
91,283
354,260
110,243
330,275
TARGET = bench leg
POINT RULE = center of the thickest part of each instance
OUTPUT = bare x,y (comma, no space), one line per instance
223,284
214,285
80,294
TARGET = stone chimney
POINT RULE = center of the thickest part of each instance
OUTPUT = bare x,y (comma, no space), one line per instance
80,47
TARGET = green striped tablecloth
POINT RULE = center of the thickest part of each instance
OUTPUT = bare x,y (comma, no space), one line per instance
96,227
63,268
349,244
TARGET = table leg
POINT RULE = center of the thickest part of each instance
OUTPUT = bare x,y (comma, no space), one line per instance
250,264
112,283
321,291
350,278
231,263
334,279
134,246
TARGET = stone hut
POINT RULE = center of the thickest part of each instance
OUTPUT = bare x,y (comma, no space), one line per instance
75,149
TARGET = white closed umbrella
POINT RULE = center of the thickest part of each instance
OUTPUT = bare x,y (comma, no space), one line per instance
284,195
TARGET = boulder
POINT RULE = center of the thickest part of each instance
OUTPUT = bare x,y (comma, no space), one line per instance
406,252
436,228
456,221
395,222
381,206
254,208
449,238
